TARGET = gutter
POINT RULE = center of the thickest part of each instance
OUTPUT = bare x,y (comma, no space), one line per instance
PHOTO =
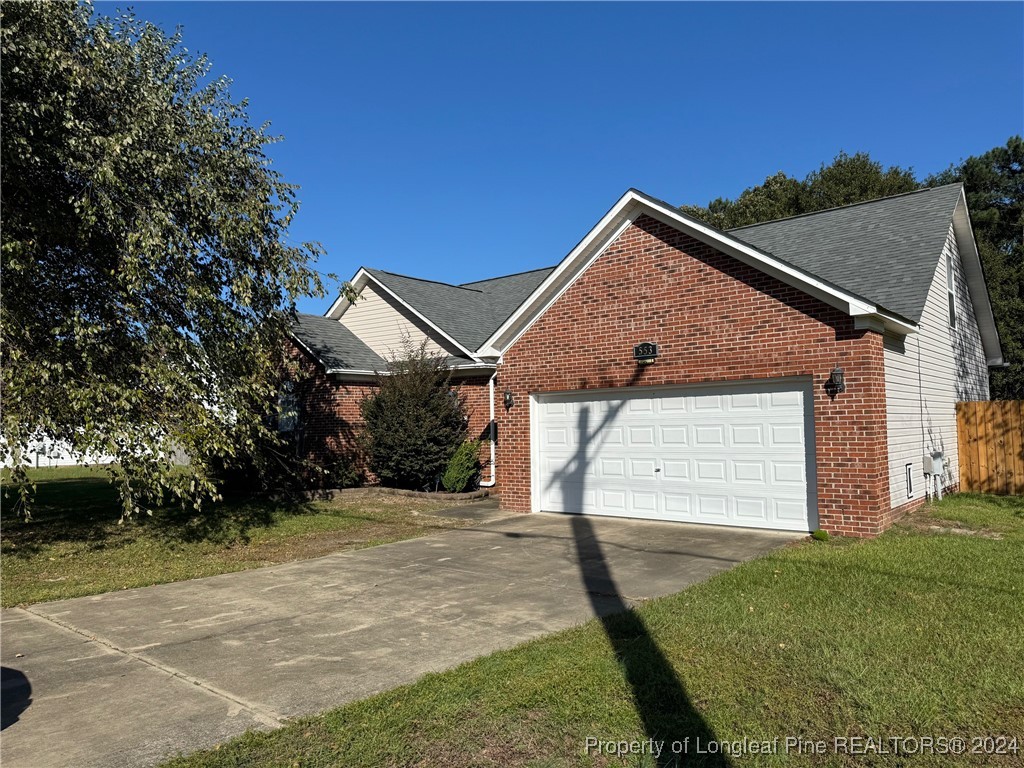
494,462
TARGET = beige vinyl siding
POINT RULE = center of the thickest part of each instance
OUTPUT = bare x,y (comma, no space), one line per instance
383,323
925,375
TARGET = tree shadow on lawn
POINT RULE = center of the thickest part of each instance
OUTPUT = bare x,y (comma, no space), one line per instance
87,511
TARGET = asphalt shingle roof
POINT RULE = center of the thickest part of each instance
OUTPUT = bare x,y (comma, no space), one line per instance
335,345
884,250
468,313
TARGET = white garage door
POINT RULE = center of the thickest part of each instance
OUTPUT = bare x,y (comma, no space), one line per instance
726,455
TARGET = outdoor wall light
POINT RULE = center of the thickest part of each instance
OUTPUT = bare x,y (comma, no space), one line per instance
836,382
507,399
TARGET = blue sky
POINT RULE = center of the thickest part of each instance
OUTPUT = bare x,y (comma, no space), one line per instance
460,141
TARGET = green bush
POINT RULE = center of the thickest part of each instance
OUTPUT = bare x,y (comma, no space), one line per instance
414,421
820,535
344,472
463,469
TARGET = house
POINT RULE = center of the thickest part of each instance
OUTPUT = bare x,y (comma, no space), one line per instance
797,374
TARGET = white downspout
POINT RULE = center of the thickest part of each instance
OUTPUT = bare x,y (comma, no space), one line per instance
494,464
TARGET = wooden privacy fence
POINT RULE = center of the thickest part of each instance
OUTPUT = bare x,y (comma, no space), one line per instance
990,436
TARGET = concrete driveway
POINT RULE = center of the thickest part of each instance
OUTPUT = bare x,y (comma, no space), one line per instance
133,677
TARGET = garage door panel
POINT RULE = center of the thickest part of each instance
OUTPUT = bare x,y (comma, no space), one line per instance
673,405
675,436
712,507
709,470
787,436
706,403
644,503
731,458
788,472
748,472
747,435
640,437
709,436
642,469
748,401
675,469
792,510
612,468
751,509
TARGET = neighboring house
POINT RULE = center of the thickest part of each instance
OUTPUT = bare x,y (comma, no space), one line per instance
739,419
44,452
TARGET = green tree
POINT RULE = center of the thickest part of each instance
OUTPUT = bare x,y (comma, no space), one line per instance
147,278
414,420
994,183
847,179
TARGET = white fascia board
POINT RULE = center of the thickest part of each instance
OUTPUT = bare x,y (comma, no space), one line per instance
358,374
805,281
611,225
976,286
309,351
362,277
342,303
629,207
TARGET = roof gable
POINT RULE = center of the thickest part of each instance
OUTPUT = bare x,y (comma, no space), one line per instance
463,315
628,209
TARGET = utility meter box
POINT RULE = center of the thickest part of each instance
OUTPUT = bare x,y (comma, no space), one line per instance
934,463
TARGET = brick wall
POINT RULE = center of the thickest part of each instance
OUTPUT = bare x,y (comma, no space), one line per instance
714,319
330,419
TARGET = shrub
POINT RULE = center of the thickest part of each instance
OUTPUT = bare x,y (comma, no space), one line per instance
270,466
414,421
820,535
463,468
344,472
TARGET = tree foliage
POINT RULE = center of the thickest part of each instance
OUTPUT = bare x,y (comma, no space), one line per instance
414,420
994,183
847,179
147,276
463,468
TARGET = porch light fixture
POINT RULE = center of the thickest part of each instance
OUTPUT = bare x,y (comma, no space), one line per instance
836,381
507,400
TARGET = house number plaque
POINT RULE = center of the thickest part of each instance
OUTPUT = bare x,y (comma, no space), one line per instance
645,352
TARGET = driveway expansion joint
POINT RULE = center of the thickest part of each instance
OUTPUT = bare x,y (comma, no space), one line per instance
260,713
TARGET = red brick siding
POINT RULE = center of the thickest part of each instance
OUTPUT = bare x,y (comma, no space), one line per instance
714,319
331,420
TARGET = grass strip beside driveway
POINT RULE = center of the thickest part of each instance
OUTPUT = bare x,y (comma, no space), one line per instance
75,546
914,634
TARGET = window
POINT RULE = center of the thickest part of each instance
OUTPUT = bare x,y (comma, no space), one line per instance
287,408
910,481
951,290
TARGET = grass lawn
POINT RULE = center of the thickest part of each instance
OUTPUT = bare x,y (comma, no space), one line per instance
916,633
74,545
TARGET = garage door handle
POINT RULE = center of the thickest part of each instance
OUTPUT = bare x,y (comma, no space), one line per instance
658,469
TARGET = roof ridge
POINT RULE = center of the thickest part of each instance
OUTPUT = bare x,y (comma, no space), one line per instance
502,277
421,279
848,205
